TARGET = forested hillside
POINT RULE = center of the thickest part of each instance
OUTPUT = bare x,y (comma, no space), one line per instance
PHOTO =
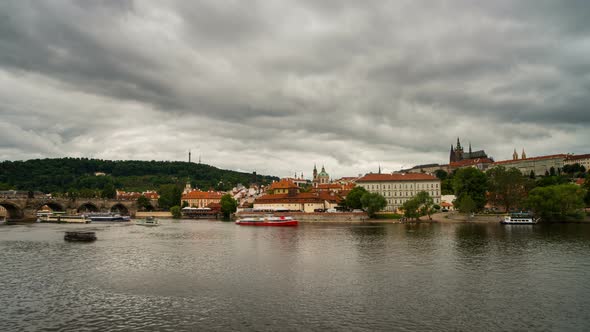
78,174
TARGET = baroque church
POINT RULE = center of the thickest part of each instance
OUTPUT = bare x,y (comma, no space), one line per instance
457,153
320,178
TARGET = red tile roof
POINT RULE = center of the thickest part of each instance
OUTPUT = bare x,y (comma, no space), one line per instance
318,197
397,177
470,162
283,184
196,194
578,157
553,156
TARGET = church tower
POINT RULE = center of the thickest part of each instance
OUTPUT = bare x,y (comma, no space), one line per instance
315,173
515,155
523,155
452,157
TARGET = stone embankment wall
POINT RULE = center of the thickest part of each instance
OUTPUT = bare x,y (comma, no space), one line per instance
160,214
313,217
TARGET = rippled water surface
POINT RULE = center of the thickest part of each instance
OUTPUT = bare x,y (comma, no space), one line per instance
207,275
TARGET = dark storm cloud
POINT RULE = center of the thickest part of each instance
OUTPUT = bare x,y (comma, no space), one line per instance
348,83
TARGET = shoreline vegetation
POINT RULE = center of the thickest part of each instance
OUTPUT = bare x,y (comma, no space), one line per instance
456,217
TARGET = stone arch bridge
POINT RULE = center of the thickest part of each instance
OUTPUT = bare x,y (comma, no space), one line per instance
25,209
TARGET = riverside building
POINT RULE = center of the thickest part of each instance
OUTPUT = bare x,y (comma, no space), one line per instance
398,188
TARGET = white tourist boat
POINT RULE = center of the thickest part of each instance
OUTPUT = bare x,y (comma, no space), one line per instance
148,221
63,218
520,219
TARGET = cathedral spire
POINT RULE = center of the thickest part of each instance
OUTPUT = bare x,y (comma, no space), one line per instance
458,144
515,155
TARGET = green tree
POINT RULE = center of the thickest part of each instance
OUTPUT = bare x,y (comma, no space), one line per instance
558,202
586,187
441,174
228,205
421,205
373,203
532,175
176,212
426,204
411,209
353,199
184,204
143,203
170,196
472,182
109,191
466,204
507,187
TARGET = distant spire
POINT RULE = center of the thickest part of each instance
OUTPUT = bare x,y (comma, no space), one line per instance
199,159
523,155
469,148
379,169
458,144
189,156
515,155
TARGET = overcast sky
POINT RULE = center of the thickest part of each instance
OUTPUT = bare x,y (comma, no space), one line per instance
276,86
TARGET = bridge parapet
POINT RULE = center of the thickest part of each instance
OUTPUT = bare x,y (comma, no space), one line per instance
25,209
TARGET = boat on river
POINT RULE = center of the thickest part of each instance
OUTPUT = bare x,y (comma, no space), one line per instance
268,221
519,219
108,216
148,221
80,236
64,218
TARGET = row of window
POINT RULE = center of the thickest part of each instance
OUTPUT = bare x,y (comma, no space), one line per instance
399,202
401,186
407,193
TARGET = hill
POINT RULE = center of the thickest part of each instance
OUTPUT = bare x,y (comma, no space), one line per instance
78,174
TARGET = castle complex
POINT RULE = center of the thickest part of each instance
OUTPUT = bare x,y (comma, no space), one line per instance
457,154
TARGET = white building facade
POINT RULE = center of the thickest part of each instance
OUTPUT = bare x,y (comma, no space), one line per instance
401,187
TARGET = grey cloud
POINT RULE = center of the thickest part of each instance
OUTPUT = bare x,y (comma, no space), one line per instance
341,80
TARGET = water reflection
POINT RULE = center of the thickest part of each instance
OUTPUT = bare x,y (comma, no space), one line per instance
204,275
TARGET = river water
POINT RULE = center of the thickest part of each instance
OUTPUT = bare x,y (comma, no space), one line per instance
208,275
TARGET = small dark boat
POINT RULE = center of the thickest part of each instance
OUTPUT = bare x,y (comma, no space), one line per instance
80,236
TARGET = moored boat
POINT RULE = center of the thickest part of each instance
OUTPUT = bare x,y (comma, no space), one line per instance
108,216
268,221
63,218
519,219
148,221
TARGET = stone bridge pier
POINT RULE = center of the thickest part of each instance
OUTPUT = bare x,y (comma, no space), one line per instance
25,209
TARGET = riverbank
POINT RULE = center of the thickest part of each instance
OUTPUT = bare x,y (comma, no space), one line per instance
317,217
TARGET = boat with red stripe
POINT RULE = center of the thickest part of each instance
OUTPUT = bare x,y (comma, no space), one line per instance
268,221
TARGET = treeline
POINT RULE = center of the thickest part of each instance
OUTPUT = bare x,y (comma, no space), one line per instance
66,175
553,196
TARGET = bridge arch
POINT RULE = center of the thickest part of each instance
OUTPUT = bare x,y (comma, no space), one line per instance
120,209
88,207
13,211
54,206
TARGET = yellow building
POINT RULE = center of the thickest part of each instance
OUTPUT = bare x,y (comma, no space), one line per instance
201,199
